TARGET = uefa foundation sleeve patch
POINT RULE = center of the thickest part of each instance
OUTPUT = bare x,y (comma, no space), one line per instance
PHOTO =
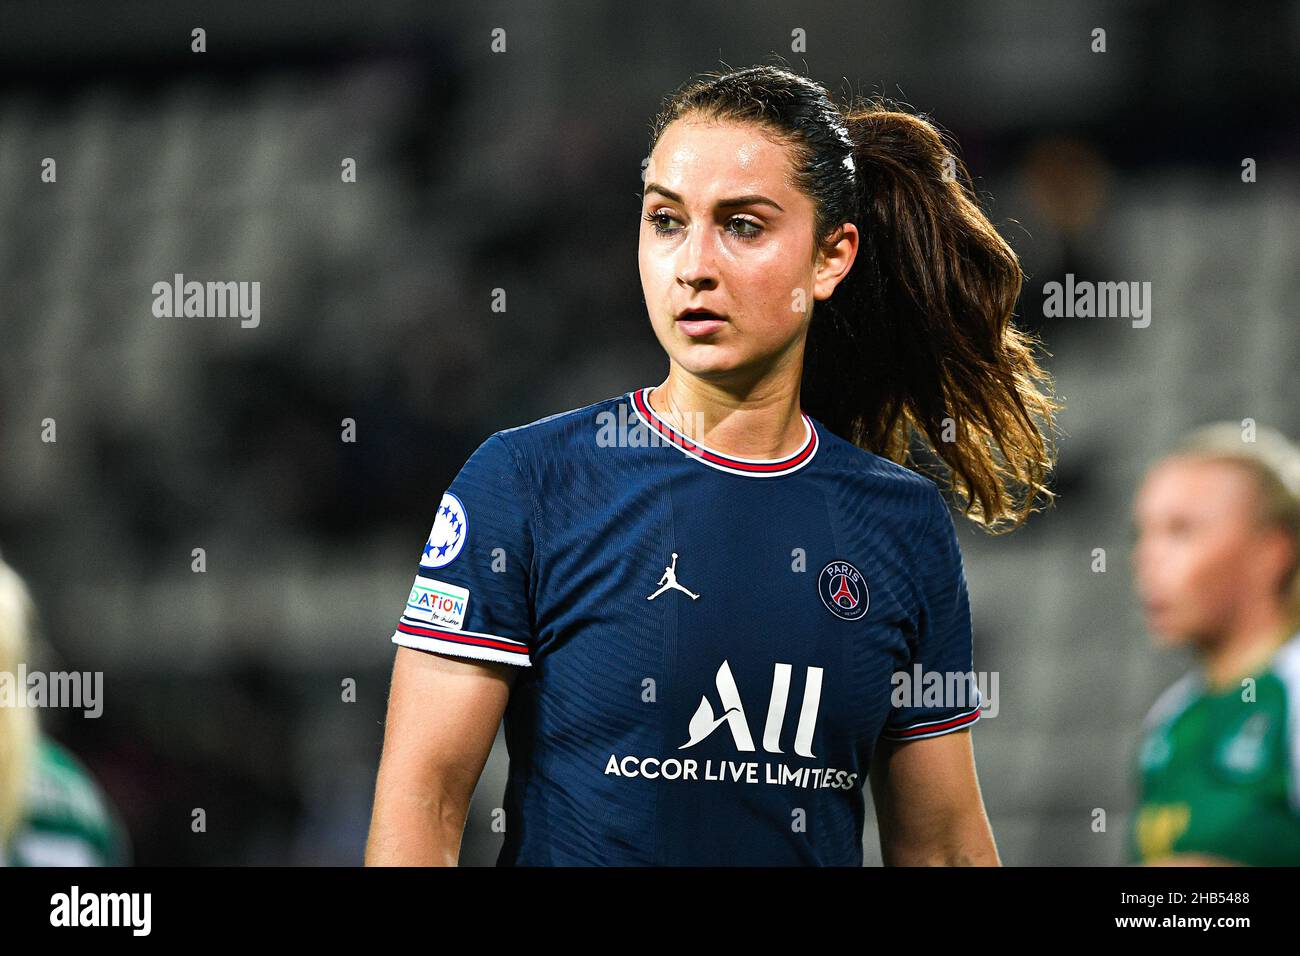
437,602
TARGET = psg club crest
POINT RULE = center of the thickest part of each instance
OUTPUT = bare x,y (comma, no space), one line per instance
448,534
843,590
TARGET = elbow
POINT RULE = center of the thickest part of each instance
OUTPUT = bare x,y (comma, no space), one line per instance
967,841
417,820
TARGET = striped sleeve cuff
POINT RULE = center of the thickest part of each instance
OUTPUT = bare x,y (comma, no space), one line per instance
933,728
483,647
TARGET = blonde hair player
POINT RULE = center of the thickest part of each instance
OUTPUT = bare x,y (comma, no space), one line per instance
1218,571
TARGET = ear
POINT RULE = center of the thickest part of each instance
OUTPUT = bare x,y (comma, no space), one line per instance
833,265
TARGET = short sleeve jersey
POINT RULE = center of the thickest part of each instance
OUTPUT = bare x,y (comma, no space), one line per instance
66,820
710,646
1219,769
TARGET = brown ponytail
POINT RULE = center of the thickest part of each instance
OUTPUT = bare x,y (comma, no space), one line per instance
919,339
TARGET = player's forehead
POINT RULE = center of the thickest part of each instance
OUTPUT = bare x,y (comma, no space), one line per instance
1196,487
704,160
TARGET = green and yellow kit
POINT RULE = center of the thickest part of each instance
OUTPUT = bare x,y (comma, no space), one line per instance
1220,768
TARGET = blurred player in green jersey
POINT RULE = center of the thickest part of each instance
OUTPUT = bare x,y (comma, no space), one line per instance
52,813
1218,570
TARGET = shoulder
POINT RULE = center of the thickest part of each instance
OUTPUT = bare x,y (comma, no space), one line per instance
1286,664
1173,700
62,787
545,436
866,472
66,814
1286,668
844,456
524,453
895,507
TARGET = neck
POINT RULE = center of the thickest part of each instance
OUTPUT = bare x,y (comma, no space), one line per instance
1247,647
753,420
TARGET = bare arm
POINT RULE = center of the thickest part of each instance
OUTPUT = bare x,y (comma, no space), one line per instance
928,803
443,714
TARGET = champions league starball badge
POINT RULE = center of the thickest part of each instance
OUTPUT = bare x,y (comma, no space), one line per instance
843,590
448,535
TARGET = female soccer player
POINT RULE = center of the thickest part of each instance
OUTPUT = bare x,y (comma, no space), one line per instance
689,600
1218,569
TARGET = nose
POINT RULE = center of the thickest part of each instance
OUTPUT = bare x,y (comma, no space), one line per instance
695,260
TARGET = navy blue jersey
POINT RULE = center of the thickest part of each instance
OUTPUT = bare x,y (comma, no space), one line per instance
708,644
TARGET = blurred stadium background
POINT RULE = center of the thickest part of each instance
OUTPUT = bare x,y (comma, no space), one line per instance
520,171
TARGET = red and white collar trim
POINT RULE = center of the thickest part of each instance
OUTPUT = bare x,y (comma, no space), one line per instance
754,467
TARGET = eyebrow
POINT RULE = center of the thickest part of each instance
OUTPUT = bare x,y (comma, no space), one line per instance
754,200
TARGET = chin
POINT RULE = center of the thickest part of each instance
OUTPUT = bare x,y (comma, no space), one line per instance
1165,631
704,361
1179,634
1169,637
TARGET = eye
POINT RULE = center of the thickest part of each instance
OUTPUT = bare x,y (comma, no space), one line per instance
657,218
754,228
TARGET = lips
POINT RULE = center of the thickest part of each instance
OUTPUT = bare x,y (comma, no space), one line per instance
699,322
698,313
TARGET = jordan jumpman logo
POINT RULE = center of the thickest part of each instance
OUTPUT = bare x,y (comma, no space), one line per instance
669,580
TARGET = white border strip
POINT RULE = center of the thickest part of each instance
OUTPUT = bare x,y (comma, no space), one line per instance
809,439
464,650
888,734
